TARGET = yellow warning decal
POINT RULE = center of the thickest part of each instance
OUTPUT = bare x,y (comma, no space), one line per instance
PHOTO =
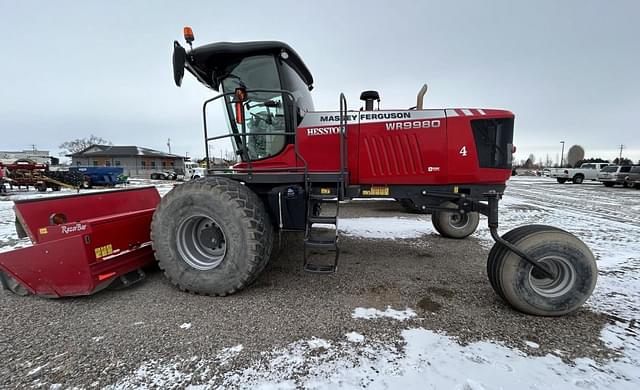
43,230
455,189
325,191
103,251
376,191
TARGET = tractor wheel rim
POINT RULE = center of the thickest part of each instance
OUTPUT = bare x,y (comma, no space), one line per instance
458,221
201,242
553,287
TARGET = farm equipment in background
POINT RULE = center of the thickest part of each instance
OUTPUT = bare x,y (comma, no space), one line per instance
214,235
101,176
27,173
81,243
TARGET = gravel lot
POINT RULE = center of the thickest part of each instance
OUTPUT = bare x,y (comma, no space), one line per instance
95,341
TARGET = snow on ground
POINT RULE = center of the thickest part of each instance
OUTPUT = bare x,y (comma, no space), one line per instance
607,219
429,360
372,313
387,228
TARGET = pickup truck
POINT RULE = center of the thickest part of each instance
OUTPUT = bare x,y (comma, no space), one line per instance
587,171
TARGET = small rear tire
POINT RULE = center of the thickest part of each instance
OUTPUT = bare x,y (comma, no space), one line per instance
528,290
578,179
453,224
561,180
211,236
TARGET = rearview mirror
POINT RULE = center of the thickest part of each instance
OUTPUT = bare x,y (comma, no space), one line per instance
179,58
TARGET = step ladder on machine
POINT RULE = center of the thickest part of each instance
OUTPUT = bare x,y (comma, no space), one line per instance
320,242
321,250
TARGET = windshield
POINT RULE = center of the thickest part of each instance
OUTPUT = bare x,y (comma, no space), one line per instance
610,168
293,82
261,112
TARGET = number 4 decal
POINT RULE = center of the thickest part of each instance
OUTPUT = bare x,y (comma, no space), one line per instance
463,151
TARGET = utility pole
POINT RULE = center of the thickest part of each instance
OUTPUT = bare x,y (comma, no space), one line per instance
169,144
620,157
562,155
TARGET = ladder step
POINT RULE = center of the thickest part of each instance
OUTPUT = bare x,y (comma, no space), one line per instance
324,198
320,268
326,244
323,219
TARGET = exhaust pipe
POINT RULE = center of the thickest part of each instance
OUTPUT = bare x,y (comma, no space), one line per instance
421,94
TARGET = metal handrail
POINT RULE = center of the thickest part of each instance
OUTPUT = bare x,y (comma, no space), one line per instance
244,133
343,143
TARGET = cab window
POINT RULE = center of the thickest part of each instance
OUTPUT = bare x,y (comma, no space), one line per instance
262,112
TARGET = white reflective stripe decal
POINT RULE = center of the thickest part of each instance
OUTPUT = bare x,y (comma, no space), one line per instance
332,118
481,111
451,112
467,112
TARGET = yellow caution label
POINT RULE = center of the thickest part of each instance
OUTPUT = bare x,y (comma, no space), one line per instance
43,230
103,251
325,191
376,191
455,189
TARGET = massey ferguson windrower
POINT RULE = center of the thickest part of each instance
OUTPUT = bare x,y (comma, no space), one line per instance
214,235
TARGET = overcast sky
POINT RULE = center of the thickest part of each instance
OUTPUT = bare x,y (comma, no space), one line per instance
569,70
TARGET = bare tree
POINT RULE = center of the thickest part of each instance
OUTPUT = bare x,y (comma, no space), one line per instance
79,144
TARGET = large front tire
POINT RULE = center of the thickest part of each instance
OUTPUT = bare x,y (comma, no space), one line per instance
526,288
453,224
211,236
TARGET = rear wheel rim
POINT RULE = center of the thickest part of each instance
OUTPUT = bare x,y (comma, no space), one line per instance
201,242
458,221
553,287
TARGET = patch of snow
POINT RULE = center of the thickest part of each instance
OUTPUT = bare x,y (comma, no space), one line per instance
386,228
316,343
354,337
429,360
36,371
531,344
372,313
176,372
186,325
97,338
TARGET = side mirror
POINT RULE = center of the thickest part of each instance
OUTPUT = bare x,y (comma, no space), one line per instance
179,59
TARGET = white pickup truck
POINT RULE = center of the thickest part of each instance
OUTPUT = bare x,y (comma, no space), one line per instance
587,171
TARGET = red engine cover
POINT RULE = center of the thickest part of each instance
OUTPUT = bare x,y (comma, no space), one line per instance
431,147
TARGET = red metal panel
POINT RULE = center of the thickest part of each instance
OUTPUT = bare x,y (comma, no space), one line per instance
109,237
35,214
